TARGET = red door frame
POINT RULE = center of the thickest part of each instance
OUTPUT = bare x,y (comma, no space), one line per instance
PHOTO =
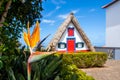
70,44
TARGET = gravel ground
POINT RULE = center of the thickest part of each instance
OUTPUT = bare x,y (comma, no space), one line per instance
110,71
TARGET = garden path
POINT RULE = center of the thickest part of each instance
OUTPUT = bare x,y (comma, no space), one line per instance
110,71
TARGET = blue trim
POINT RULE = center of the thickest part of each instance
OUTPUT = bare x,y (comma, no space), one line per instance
74,43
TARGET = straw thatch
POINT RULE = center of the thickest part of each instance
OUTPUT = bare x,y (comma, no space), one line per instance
61,30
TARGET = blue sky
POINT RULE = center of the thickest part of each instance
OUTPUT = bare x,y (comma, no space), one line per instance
89,14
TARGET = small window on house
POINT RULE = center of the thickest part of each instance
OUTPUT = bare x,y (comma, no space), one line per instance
70,31
79,45
61,45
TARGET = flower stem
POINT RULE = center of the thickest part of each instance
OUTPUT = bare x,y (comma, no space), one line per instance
29,66
29,71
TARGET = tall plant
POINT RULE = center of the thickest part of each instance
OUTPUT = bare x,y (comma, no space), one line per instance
31,41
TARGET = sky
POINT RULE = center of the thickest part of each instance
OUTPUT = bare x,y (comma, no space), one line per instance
89,14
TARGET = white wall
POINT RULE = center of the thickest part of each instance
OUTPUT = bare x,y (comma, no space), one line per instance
63,39
113,36
77,37
113,25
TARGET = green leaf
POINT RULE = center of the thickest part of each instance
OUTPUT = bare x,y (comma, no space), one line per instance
20,77
5,24
1,64
24,66
57,78
51,67
36,76
13,0
3,58
11,75
34,58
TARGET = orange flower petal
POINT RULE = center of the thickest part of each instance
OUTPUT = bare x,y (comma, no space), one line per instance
25,36
35,37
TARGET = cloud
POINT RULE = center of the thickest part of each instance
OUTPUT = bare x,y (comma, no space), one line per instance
75,11
57,7
53,11
62,2
64,16
80,16
56,2
48,21
92,10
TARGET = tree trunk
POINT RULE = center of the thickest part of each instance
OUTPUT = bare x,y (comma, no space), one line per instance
4,15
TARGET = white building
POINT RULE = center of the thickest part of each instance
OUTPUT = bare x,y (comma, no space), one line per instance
70,37
113,27
113,24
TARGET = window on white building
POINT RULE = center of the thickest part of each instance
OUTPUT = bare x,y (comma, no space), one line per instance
61,45
79,45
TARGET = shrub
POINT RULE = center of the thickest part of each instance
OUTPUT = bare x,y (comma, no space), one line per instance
71,72
85,59
54,68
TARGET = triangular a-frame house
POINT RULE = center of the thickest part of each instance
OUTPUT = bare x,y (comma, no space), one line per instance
70,37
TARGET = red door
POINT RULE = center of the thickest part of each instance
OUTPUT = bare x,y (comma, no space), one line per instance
71,45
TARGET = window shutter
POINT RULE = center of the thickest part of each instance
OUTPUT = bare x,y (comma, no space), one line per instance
61,45
58,45
65,45
80,45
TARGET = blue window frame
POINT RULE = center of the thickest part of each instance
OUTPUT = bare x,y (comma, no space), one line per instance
61,45
79,45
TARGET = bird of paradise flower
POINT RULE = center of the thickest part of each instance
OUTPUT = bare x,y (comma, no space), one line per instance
31,41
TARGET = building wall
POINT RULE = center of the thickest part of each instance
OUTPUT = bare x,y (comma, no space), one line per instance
77,37
113,25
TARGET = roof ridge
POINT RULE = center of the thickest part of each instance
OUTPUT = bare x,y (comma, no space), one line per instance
109,4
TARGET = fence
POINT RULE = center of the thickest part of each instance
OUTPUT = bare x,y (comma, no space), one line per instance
113,52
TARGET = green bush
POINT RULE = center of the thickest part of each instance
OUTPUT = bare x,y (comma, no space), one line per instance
85,59
53,68
71,72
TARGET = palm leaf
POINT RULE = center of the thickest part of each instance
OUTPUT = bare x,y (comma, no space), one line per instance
51,69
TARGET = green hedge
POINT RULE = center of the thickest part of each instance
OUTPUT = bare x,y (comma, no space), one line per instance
85,59
53,68
71,72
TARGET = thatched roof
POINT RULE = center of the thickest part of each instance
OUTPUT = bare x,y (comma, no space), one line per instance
61,30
